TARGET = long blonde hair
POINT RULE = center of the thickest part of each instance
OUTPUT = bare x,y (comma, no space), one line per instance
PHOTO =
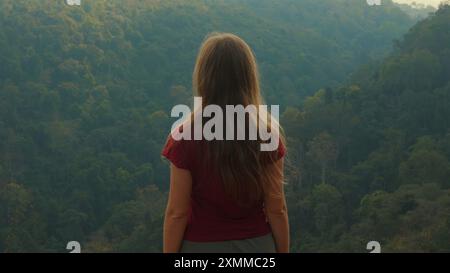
226,73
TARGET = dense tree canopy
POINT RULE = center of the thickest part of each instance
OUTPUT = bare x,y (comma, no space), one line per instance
389,180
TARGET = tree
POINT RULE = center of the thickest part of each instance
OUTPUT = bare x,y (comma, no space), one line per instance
426,164
323,151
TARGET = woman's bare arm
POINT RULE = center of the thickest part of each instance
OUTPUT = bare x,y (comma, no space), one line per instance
276,213
177,211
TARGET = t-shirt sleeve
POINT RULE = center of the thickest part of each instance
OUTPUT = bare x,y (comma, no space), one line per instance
281,150
177,152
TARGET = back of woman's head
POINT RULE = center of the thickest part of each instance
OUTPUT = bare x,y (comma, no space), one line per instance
226,73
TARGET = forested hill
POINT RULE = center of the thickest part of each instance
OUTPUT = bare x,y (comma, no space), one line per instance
371,159
150,46
85,94
418,11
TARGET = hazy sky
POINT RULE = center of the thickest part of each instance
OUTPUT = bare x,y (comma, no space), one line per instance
434,3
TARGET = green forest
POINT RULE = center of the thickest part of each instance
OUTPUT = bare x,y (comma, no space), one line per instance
86,93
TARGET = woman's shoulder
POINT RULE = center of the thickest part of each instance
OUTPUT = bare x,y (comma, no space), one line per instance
179,149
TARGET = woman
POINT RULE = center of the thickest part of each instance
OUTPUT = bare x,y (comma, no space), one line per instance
225,196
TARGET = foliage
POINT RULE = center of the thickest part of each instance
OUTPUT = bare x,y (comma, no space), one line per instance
391,126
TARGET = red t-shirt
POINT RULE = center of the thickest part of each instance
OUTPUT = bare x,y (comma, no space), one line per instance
214,216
